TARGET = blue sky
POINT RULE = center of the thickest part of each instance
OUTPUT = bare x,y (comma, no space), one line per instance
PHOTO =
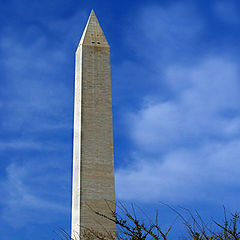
176,107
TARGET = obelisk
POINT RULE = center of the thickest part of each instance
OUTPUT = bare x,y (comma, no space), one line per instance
93,165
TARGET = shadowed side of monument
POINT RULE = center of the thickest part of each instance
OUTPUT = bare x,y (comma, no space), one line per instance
93,164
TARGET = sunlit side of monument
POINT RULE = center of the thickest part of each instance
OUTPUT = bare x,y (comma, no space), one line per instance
93,165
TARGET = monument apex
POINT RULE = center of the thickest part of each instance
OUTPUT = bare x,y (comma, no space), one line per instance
93,33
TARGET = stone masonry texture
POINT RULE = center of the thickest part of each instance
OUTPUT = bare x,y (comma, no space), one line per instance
93,165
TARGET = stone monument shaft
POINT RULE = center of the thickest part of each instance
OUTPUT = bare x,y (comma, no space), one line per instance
93,164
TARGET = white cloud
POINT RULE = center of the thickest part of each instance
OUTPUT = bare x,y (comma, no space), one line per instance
186,134
194,137
25,198
177,22
165,33
35,72
19,145
206,174
203,94
36,97
26,144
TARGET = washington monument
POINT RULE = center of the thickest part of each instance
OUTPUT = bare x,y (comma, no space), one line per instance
93,165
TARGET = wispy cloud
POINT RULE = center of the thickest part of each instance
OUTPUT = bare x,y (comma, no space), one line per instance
36,100
227,11
205,105
21,145
34,75
196,134
207,174
186,133
25,198
166,34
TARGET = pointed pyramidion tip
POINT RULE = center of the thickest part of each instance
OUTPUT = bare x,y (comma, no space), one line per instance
93,34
